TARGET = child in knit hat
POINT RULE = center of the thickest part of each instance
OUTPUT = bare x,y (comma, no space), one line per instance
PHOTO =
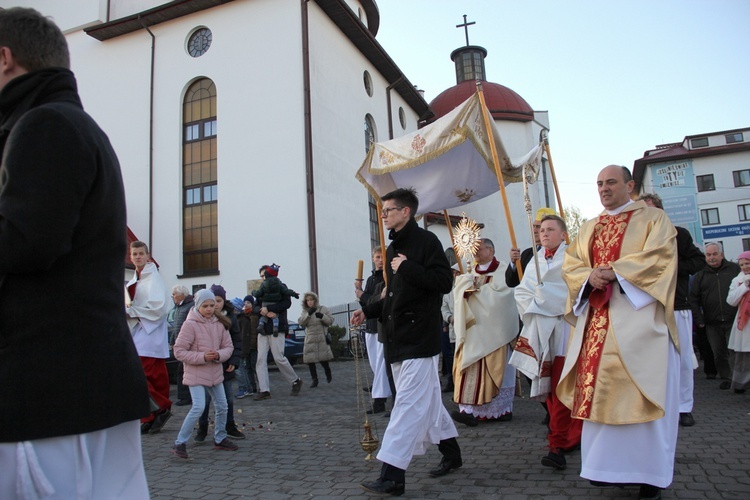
202,345
272,291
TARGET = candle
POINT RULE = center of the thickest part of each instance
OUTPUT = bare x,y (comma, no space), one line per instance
360,266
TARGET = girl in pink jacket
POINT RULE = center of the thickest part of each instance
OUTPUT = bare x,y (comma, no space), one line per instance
203,345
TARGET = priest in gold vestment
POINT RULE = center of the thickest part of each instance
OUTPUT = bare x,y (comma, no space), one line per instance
485,322
621,372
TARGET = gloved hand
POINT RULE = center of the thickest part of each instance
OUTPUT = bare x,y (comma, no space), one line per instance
319,315
311,311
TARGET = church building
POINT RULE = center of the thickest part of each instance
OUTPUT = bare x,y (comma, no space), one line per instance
240,125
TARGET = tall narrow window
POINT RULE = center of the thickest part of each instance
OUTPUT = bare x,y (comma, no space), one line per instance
200,227
371,202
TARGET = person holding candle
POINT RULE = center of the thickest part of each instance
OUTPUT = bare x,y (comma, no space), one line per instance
381,388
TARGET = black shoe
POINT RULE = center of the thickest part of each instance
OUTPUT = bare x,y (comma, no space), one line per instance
329,377
159,421
446,465
384,487
184,402
464,418
200,436
234,433
262,395
725,385
505,418
314,383
296,386
739,391
648,492
546,420
367,389
555,459
145,427
387,414
687,420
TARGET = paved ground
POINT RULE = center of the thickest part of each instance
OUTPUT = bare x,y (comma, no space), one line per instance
308,446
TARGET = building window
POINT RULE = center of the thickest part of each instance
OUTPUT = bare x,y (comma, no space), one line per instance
745,244
368,83
199,42
701,142
710,216
371,202
733,138
744,212
402,117
705,182
200,228
469,66
741,178
369,132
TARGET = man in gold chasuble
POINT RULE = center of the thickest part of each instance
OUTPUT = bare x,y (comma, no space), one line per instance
621,373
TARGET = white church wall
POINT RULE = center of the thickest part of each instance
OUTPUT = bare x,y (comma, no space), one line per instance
340,104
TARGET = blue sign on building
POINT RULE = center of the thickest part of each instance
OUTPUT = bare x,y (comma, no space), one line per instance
719,232
675,183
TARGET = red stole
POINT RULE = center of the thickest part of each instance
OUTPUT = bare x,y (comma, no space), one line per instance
606,245
131,288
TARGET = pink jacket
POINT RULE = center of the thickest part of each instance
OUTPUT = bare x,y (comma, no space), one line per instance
199,335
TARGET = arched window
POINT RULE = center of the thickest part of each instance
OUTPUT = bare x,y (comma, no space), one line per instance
200,230
374,215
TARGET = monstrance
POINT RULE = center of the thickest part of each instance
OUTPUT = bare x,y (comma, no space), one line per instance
466,239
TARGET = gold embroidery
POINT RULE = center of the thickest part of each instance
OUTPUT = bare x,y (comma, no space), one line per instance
606,246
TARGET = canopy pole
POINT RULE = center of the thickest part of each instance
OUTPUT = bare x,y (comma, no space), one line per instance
527,206
453,241
381,234
499,174
554,182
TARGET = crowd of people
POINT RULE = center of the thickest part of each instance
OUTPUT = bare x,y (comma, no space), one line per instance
607,322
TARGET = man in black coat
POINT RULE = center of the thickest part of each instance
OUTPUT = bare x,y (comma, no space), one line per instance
417,275
708,299
67,361
690,260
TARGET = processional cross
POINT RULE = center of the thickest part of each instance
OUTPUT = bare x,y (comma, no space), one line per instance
465,26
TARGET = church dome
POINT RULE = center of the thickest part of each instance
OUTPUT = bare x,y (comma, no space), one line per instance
503,103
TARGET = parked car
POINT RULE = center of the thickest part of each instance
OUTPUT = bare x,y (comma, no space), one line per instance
294,344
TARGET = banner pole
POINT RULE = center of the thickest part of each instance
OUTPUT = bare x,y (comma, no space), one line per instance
498,173
554,181
381,234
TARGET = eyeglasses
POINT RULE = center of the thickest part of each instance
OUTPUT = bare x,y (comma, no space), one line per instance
386,211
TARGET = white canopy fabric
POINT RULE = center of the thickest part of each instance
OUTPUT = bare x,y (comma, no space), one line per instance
448,162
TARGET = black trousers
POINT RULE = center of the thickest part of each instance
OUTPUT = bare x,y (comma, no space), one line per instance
314,371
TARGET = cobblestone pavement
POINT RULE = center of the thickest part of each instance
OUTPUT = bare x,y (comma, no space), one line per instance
308,446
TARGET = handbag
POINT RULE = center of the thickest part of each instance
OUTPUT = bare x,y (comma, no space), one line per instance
328,337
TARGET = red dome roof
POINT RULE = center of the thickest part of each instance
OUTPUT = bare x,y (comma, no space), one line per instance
503,103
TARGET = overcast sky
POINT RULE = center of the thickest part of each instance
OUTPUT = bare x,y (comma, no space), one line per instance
617,77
